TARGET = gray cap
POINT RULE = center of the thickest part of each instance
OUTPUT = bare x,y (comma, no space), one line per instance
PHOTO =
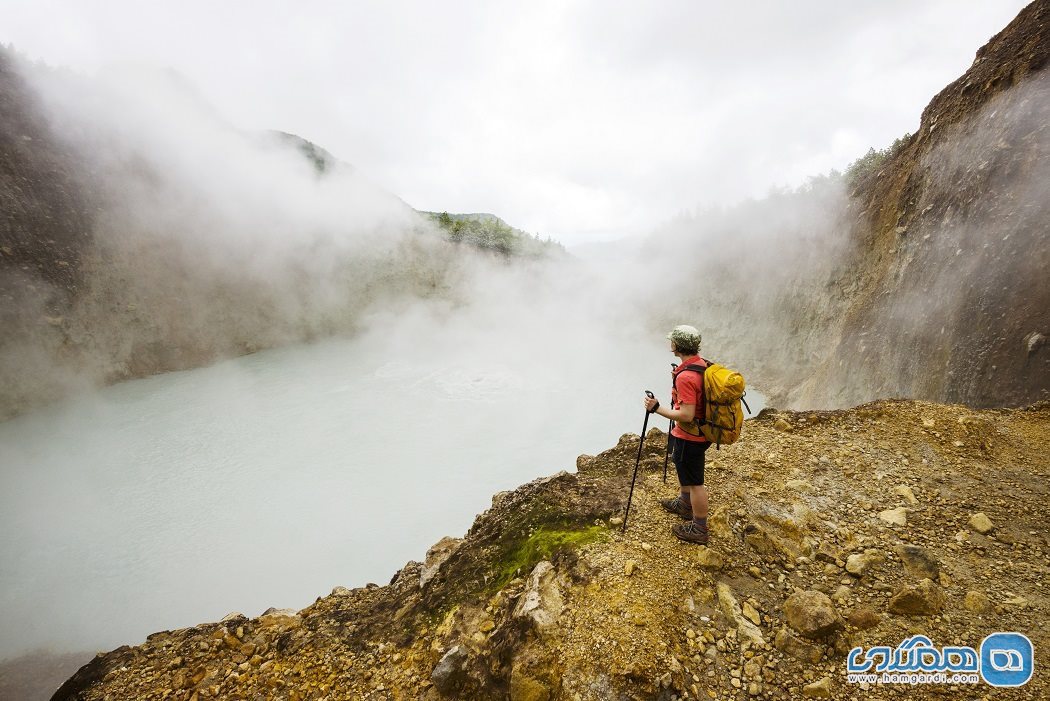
686,336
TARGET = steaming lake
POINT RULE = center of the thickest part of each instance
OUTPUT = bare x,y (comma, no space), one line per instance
267,480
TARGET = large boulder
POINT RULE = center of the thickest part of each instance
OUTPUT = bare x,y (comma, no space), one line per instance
895,517
859,564
919,562
820,689
727,602
436,557
981,523
450,672
812,614
790,644
542,601
923,598
864,617
710,559
977,602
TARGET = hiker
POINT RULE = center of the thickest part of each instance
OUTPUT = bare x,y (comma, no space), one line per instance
687,450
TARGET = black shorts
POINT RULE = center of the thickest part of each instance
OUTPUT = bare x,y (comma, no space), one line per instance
688,459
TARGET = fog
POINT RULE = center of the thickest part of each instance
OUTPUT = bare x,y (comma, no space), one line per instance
353,385
209,242
761,278
206,241
407,380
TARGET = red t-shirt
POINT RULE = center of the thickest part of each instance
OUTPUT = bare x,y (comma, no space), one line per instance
688,390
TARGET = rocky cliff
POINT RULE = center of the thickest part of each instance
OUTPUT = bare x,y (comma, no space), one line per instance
829,530
922,277
46,226
949,299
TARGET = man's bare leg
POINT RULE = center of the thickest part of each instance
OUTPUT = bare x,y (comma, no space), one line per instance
698,500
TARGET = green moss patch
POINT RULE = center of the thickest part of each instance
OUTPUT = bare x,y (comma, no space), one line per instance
542,544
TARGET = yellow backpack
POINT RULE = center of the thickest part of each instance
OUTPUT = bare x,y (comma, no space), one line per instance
719,417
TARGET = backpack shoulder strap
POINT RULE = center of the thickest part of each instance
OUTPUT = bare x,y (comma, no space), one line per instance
699,369
701,411
701,417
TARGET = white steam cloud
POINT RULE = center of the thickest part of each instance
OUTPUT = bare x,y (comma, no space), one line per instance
207,241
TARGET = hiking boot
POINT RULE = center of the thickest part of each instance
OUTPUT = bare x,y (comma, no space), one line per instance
677,506
691,533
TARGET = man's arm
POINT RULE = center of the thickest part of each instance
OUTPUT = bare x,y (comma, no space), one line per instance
685,414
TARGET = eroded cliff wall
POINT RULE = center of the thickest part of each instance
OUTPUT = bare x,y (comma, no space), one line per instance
952,300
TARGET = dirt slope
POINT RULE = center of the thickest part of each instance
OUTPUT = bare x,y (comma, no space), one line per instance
546,598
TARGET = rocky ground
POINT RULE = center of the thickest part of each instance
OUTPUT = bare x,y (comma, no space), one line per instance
829,530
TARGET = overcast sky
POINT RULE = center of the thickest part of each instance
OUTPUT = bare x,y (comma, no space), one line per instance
582,120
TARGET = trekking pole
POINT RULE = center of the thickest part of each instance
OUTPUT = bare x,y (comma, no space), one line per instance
670,426
641,444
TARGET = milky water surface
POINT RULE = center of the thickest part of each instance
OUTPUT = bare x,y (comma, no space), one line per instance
267,480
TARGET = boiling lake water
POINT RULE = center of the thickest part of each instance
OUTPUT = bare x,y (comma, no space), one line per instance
267,480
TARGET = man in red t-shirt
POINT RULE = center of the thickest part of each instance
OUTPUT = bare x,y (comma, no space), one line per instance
687,448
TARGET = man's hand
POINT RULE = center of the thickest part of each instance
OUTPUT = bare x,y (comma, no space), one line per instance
651,404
